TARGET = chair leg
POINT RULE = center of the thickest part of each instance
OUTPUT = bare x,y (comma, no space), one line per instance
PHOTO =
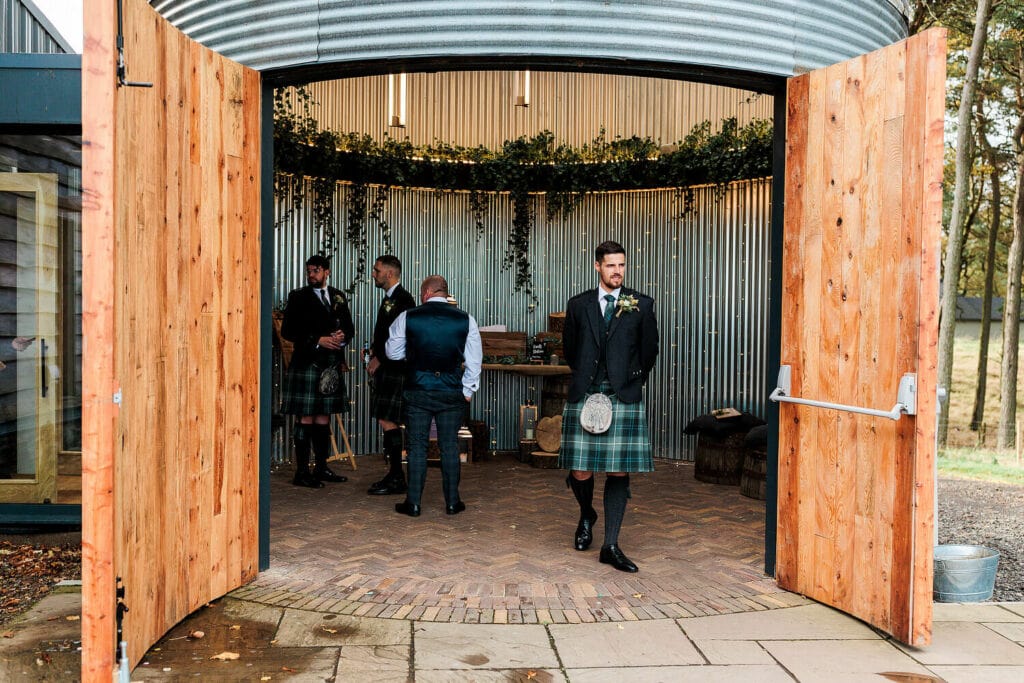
344,437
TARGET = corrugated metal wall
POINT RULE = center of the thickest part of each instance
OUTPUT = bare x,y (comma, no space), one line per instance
775,37
708,273
22,31
478,107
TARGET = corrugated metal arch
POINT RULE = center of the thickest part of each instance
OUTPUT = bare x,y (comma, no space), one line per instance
762,38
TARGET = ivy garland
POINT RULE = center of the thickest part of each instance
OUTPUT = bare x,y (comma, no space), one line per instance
523,168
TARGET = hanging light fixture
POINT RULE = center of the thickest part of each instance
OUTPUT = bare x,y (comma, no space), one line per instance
396,100
522,88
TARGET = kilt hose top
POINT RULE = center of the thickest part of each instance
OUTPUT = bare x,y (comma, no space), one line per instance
387,383
616,359
306,319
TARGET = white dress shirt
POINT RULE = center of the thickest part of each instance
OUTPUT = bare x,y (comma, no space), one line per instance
473,353
601,292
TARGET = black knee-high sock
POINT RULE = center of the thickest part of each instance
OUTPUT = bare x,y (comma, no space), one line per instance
616,493
321,444
393,452
583,489
301,438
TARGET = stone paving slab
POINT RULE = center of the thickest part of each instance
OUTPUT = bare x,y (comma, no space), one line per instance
974,611
733,652
649,643
683,674
962,642
315,629
979,674
495,676
807,622
826,661
483,646
1014,631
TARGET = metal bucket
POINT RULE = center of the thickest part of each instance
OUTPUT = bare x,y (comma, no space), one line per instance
964,573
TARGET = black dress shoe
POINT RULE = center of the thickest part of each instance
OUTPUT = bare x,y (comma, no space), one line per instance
327,475
584,532
386,487
611,554
308,480
407,508
455,509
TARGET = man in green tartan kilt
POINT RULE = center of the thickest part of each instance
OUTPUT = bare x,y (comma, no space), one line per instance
611,343
387,377
318,322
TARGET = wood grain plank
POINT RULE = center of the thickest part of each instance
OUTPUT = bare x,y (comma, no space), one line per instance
908,289
854,260
927,351
99,202
789,493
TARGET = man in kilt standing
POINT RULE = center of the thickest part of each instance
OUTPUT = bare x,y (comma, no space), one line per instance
388,376
610,342
318,321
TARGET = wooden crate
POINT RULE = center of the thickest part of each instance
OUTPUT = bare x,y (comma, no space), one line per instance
503,343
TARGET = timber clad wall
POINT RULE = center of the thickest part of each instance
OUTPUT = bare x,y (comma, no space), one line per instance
173,293
859,309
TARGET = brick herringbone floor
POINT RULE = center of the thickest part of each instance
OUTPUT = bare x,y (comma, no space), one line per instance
509,557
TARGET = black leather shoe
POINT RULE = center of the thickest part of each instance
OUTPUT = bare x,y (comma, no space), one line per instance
386,487
584,532
407,508
455,509
308,480
611,554
326,475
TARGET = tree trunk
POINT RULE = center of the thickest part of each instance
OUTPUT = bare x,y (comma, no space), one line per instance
1011,311
951,265
995,204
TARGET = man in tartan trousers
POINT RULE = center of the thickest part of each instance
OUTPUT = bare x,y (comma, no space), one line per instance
318,321
610,342
388,376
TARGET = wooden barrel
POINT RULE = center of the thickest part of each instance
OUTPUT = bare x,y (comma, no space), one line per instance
719,460
755,467
553,393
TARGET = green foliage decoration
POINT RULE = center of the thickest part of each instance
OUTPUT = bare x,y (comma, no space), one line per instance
524,168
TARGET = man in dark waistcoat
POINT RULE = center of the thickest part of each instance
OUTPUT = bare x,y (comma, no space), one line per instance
318,322
388,376
610,342
441,346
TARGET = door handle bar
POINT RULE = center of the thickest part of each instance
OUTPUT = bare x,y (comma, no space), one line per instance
906,397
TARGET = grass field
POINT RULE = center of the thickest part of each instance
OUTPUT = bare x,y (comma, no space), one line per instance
972,454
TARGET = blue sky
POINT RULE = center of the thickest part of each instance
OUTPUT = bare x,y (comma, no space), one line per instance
66,16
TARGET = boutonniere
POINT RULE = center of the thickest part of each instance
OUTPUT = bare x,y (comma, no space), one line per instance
338,300
626,304
388,305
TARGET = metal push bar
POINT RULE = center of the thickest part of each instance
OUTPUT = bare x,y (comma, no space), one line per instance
906,397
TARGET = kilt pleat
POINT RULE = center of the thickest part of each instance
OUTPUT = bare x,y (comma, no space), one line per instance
300,395
386,394
625,447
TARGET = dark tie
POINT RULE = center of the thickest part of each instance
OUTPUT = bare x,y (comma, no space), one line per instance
609,309
323,298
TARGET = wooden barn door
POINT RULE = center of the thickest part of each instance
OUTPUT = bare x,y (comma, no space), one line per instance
863,210
171,327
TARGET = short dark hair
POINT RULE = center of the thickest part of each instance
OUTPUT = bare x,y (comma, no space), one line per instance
391,262
607,247
318,260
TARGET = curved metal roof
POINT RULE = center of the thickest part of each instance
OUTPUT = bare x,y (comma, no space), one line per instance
766,37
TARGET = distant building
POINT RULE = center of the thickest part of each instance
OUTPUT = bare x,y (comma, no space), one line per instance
25,29
969,309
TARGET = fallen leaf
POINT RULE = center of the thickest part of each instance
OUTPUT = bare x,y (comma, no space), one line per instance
39,662
236,627
226,656
289,669
264,678
531,674
72,617
638,595
196,634
167,668
52,618
273,642
329,630
8,634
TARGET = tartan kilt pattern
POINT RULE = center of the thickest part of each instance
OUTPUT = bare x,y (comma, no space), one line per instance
300,395
625,447
386,394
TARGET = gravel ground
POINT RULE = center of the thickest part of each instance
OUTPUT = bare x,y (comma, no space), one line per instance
989,514
970,512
